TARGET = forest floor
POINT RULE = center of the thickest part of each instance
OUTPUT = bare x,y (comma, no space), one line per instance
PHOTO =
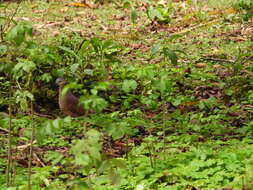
170,85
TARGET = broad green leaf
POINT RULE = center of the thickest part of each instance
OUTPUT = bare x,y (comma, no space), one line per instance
165,84
129,85
93,102
18,32
3,49
71,52
171,55
23,98
126,4
155,49
25,65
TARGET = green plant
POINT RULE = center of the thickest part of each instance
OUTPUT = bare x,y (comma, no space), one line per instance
160,13
246,6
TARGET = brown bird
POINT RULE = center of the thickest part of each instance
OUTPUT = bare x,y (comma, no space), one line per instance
68,103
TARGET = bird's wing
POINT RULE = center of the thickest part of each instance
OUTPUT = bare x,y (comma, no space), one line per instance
72,105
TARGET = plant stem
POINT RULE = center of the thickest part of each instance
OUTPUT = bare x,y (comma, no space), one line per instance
164,126
9,150
150,157
31,150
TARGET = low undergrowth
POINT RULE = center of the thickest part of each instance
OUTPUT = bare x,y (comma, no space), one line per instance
170,102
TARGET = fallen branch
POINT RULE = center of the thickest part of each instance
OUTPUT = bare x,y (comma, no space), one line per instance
197,26
26,146
217,59
4,130
38,159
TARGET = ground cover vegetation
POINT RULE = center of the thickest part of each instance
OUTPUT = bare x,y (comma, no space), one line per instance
167,85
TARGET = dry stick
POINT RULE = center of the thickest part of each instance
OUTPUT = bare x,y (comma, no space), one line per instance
197,26
9,150
4,130
1,33
25,146
38,159
127,147
37,114
218,59
31,150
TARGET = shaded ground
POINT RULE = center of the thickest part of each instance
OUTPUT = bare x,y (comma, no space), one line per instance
205,130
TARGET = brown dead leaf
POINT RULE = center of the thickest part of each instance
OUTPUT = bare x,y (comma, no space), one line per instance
200,65
78,5
137,46
120,144
111,152
150,115
56,33
38,11
216,66
206,92
238,38
187,106
64,10
47,25
247,31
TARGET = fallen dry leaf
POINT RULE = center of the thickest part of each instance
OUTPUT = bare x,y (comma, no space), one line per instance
55,33
78,5
216,66
200,65
64,10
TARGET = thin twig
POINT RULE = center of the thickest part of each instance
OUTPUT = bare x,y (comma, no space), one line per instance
197,26
217,59
38,114
14,13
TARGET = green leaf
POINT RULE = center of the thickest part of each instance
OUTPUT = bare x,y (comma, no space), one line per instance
129,85
94,134
17,33
22,98
171,55
93,102
69,86
46,77
96,44
155,49
153,13
107,44
126,4
71,52
165,84
119,162
3,49
26,65
133,15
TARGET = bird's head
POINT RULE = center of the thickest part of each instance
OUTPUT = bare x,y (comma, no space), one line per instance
61,82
